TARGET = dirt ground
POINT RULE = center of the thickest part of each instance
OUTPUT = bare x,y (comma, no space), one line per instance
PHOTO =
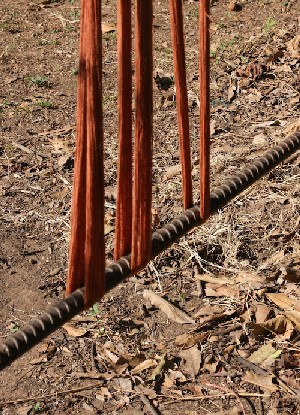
236,348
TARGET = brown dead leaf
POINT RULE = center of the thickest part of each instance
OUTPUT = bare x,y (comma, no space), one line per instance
283,301
144,365
277,325
292,127
211,364
294,317
171,311
123,384
291,274
191,360
108,228
172,377
74,331
209,310
262,313
214,279
263,353
293,47
263,381
110,355
273,54
172,171
160,367
187,340
61,145
146,391
216,317
253,71
212,127
24,410
108,27
220,290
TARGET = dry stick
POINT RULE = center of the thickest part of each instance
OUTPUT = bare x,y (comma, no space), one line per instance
124,193
204,68
141,227
199,398
52,395
212,385
87,256
181,100
96,385
149,405
264,372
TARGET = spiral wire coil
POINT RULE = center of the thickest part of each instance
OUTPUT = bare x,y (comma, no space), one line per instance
55,316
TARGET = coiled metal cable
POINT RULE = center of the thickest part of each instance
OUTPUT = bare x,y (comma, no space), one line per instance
15,345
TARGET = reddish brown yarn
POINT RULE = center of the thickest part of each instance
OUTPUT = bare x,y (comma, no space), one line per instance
141,227
87,254
181,100
204,70
124,193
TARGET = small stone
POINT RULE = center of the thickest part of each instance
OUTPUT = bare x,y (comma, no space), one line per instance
259,140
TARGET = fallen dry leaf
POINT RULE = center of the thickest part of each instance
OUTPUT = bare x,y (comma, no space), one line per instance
74,331
172,171
217,290
61,145
292,127
263,353
216,317
108,27
293,47
191,360
143,366
277,325
291,274
283,301
263,381
172,377
214,279
172,312
159,368
294,317
209,310
189,340
262,313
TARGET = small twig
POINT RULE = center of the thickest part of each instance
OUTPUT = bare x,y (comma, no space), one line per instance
229,329
154,270
228,391
51,395
149,405
260,403
263,372
199,398
252,366
63,20
93,360
226,374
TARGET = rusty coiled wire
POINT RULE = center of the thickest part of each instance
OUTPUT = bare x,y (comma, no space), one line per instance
18,343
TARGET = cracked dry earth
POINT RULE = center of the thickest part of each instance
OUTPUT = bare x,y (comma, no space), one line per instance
212,325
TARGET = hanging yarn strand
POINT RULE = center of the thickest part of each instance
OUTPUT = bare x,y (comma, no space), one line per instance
124,192
141,235
204,77
181,99
87,252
